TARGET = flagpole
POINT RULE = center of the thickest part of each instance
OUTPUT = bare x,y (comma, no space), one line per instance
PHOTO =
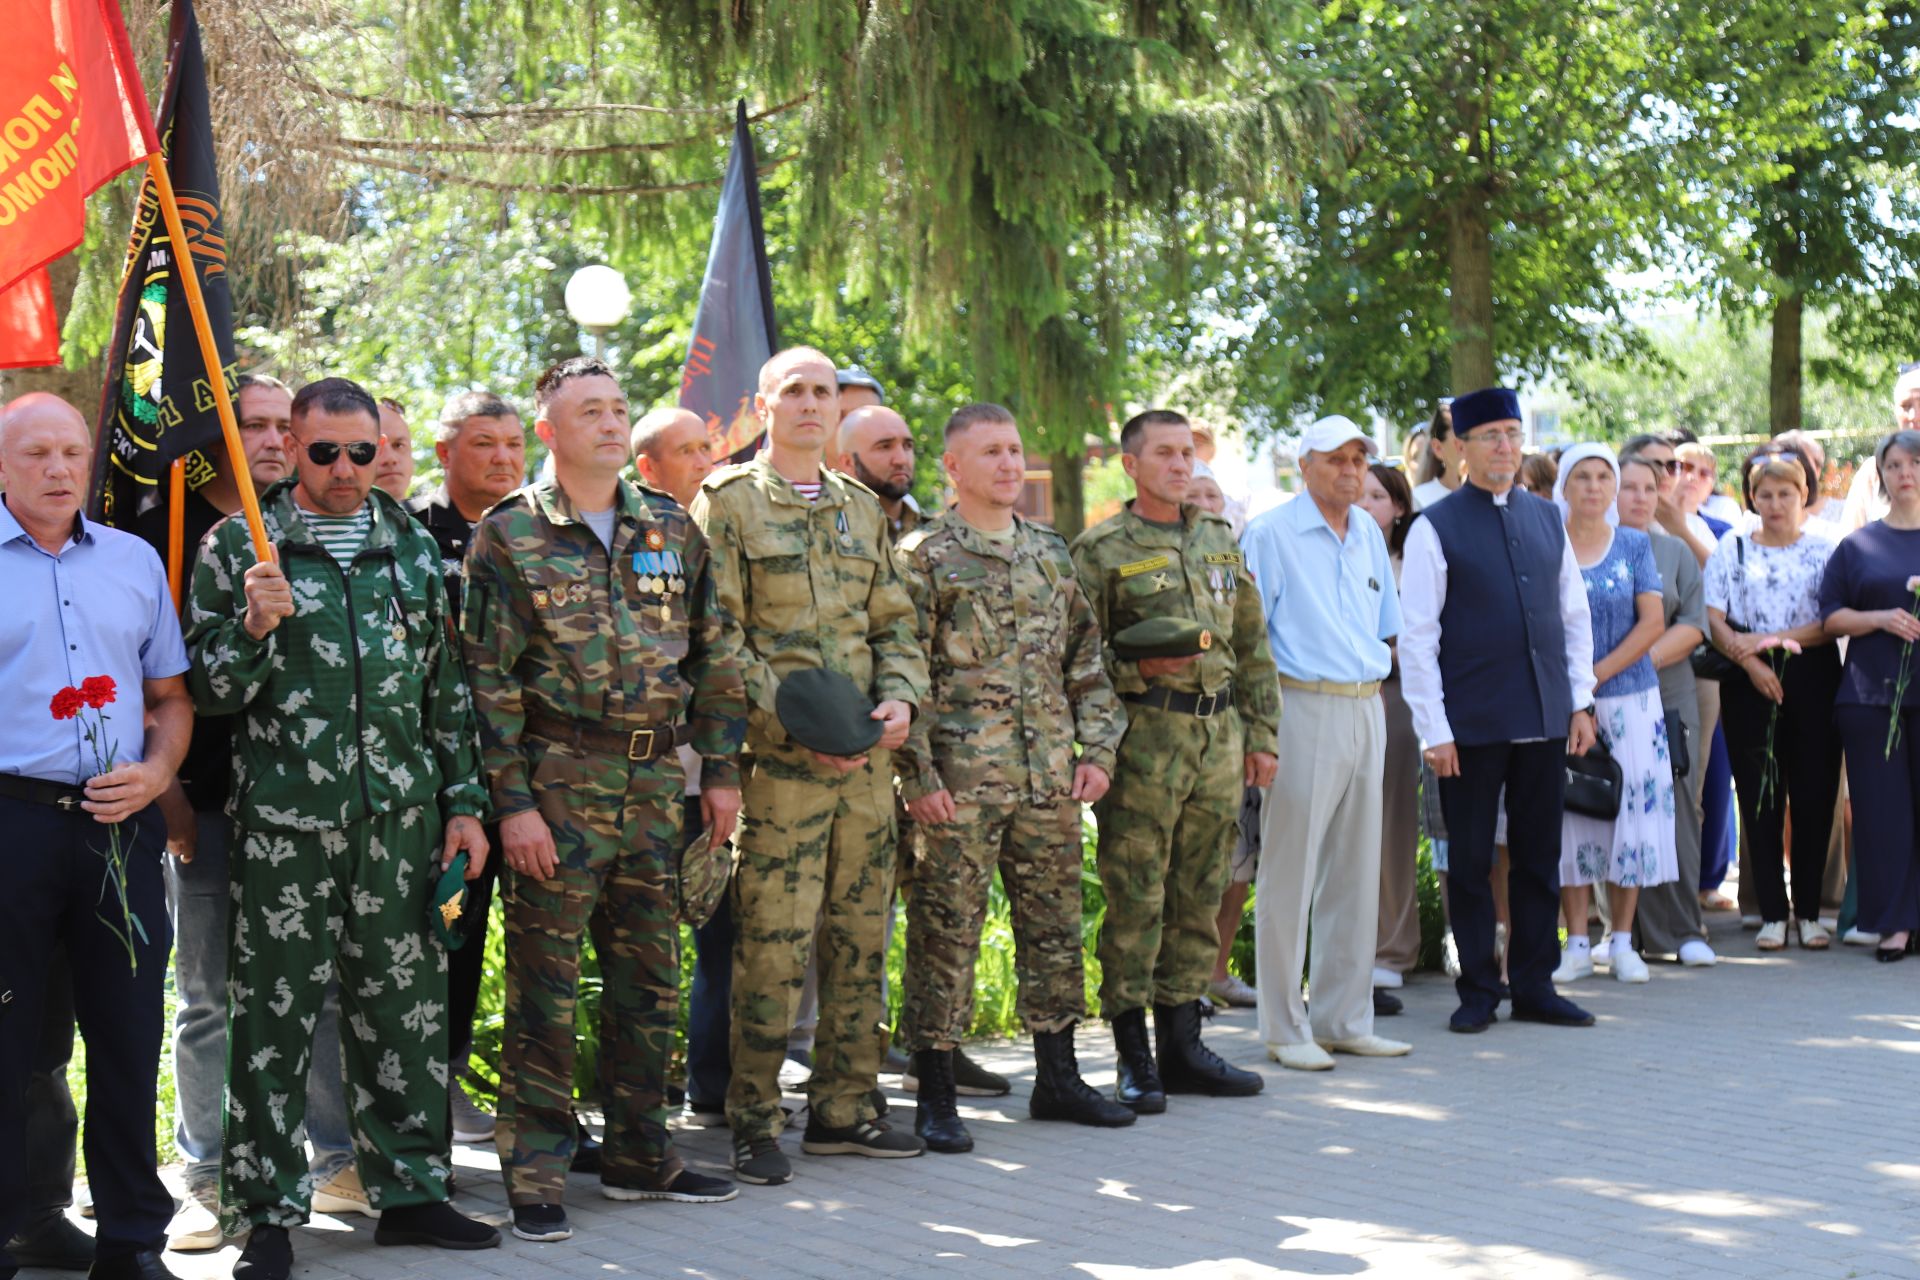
189,276
177,530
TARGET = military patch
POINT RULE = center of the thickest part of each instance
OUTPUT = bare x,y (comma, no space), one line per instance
1139,567
1222,557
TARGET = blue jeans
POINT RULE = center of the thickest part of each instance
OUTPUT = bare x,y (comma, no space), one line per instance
198,897
710,1006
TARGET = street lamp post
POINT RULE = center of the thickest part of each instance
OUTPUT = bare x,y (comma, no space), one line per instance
598,299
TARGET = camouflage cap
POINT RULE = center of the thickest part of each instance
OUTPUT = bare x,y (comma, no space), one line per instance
1162,638
700,875
824,711
447,902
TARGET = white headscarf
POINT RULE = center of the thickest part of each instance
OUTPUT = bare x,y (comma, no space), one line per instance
1573,457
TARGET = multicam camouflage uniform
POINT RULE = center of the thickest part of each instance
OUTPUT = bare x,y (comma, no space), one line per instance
808,585
1167,824
1018,674
353,746
559,633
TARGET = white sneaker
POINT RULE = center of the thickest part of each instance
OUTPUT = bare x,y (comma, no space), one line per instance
1814,936
1574,965
1388,979
1449,954
1230,990
196,1228
1301,1057
1696,954
1860,938
470,1123
1368,1047
1772,936
1627,965
343,1194
794,1075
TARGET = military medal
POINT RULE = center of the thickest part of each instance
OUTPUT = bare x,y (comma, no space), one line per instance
559,596
666,614
655,540
540,598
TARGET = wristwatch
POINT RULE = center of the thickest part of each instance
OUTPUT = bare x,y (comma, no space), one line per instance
1584,711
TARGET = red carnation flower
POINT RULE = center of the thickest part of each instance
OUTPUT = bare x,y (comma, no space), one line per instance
67,703
97,690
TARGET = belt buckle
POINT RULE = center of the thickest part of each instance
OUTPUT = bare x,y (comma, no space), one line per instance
634,751
1205,706
67,802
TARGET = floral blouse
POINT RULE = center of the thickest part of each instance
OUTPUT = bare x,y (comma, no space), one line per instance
1767,589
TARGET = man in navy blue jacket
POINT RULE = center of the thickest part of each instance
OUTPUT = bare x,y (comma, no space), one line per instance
1497,665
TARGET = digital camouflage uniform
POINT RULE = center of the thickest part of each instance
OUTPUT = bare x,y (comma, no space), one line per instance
1018,674
559,630
808,585
1167,825
352,747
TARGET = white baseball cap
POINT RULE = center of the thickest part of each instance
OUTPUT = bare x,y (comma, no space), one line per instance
1333,431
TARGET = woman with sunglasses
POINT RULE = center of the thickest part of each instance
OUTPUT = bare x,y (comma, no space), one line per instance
1634,850
1763,589
1871,592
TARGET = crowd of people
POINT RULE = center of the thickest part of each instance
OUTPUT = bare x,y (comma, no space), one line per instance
778,702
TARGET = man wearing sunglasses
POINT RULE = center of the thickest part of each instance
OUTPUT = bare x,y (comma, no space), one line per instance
356,782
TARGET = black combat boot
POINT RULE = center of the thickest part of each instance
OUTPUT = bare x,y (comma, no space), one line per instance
1136,1082
1060,1094
1187,1065
937,1119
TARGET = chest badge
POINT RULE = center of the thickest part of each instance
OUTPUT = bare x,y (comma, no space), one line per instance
1161,582
541,598
655,540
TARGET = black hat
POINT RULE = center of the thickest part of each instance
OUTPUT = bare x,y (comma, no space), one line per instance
448,902
1493,404
854,376
1162,638
826,712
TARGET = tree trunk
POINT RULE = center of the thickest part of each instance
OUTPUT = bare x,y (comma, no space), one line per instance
1069,493
1783,380
1470,302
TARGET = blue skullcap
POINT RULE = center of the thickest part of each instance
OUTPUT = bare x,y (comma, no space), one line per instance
1493,404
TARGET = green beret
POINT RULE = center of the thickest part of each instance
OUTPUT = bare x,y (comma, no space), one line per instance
700,876
1162,638
824,711
446,903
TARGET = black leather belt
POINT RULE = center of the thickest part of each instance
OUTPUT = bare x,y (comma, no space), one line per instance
635,744
61,795
1204,705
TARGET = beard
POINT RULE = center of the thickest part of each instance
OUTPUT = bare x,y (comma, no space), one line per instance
890,490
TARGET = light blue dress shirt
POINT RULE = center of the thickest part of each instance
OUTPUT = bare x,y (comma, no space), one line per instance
99,608
1330,603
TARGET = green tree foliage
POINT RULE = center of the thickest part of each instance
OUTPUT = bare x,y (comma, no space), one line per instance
1802,146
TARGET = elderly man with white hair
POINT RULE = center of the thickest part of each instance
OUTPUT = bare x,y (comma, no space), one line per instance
1326,582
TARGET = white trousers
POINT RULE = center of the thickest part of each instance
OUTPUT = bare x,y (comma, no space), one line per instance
1320,858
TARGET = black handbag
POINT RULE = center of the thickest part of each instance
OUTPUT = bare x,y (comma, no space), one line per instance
1677,747
1708,662
1594,783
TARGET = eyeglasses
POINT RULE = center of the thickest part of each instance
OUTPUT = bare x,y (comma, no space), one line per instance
326,452
1513,436
1671,465
1697,468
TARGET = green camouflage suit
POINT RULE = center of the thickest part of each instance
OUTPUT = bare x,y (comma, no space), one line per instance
808,585
353,747
1167,825
556,627
1018,675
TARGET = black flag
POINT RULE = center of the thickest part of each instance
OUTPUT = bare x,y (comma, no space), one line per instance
733,333
158,401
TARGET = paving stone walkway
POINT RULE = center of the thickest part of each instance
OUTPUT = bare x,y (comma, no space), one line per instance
1757,1119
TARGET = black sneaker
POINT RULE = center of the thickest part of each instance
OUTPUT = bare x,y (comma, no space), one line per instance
439,1225
970,1079
686,1187
268,1255
868,1138
761,1161
540,1222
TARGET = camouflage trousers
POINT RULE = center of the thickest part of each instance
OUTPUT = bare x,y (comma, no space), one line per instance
614,825
1167,830
1037,848
809,838
308,904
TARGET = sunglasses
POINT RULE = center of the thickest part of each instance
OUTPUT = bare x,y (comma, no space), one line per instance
326,452
1671,465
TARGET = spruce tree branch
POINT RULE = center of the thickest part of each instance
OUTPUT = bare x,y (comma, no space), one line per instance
437,174
525,111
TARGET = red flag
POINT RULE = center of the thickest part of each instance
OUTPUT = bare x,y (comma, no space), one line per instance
73,115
